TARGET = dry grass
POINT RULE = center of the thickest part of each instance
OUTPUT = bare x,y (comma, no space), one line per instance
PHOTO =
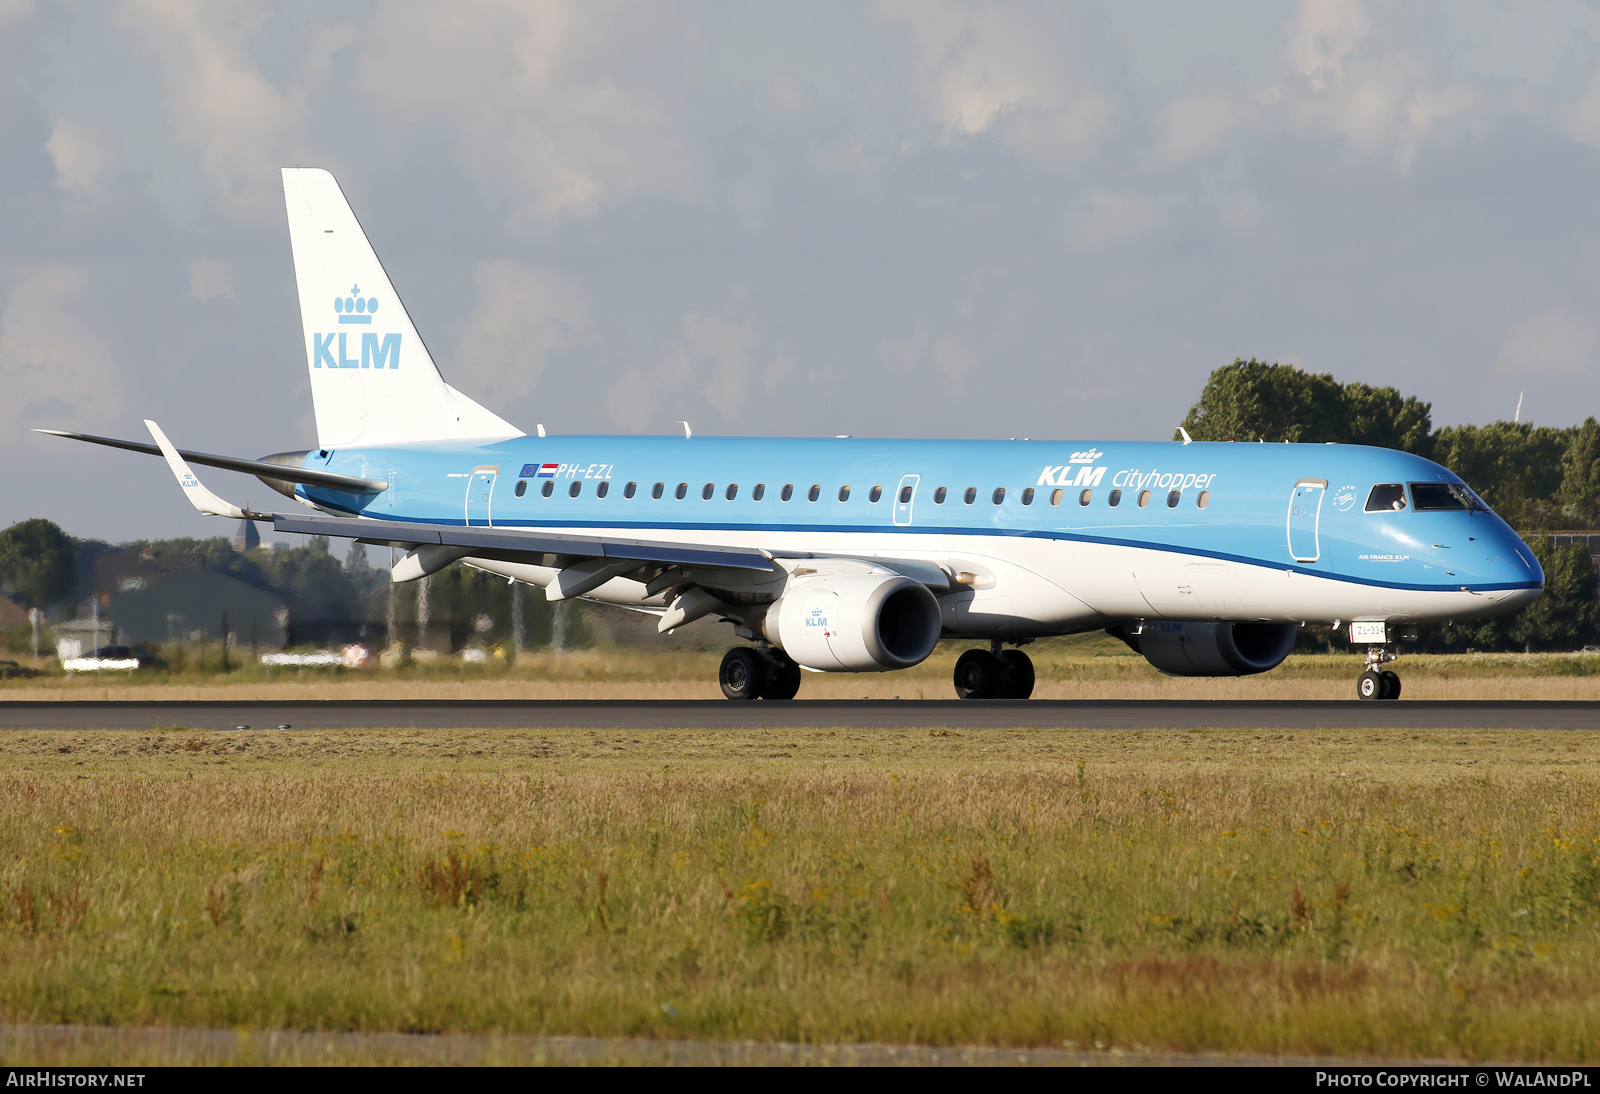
1085,667
1373,894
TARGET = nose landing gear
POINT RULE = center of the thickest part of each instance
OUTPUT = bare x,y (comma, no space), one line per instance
1378,682
994,673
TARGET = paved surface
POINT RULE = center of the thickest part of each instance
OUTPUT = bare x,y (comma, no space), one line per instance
134,1046
869,714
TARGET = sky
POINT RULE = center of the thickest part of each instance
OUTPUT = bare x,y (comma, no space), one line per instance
898,217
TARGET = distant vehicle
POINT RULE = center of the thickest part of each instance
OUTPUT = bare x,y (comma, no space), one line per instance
121,658
855,555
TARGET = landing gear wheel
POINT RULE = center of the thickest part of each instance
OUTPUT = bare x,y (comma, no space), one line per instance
1392,680
1018,683
742,673
782,680
979,675
1371,685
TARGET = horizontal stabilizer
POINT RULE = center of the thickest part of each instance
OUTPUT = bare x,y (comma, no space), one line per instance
260,468
520,541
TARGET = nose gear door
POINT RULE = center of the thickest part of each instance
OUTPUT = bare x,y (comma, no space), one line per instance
1305,514
480,494
905,495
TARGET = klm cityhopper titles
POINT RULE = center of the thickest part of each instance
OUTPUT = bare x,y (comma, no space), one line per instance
855,555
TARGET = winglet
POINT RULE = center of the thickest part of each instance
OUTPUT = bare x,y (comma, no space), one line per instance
201,498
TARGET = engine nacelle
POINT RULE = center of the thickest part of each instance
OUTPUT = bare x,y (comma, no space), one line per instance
1213,649
854,622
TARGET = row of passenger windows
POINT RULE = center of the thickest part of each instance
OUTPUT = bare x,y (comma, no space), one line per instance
940,494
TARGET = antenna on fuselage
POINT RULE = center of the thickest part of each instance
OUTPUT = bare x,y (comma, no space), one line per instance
687,432
540,428
1184,433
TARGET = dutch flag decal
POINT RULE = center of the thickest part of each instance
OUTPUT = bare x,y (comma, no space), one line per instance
547,471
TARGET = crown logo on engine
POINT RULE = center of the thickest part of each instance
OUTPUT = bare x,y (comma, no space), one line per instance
355,308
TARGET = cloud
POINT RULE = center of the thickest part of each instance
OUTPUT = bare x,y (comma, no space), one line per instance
1324,35
1194,125
82,155
716,360
218,103
989,66
53,369
525,315
534,108
1554,344
210,278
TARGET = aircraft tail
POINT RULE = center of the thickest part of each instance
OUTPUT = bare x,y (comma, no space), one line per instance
372,379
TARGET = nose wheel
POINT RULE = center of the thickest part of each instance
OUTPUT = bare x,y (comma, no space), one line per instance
1377,682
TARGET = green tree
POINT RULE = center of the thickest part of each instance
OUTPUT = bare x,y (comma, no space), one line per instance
1514,466
1579,496
1254,401
1566,617
38,562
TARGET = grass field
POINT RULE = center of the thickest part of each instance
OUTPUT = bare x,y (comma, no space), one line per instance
1093,666
1361,894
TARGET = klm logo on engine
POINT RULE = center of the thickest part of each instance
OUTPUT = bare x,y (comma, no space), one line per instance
334,350
816,618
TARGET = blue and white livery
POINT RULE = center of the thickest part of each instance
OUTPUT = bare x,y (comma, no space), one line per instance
857,555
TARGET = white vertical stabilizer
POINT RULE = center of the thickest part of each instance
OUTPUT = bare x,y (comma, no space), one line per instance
372,380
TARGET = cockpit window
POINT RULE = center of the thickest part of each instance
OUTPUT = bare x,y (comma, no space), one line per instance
1386,497
1427,496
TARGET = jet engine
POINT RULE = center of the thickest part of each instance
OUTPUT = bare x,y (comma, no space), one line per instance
854,622
1211,649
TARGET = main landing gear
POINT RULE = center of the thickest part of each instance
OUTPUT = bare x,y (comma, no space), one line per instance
763,673
994,673
1378,682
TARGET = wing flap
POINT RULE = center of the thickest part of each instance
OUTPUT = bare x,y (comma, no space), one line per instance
521,540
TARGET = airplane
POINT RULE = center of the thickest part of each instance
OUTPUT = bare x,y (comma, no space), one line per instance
848,554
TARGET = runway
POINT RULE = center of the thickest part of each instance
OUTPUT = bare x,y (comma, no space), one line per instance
817,713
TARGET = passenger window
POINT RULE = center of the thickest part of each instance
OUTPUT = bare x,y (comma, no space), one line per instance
548,488
629,490
1144,498
971,495
1085,497
1027,496
1173,498
603,489
1386,497
732,491
1055,496
682,491
522,487
814,493
575,489
759,492
999,495
905,495
939,495
844,493
787,492
656,490
1203,500
1114,498
707,490
875,493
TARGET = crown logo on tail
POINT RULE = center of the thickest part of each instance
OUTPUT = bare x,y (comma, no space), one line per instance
355,308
